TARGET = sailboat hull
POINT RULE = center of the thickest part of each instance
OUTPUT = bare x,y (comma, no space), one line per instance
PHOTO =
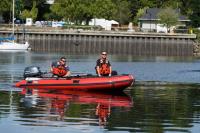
13,46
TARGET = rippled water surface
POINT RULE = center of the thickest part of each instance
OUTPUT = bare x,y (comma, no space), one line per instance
165,97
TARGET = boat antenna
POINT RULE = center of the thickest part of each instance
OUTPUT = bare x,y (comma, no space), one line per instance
13,17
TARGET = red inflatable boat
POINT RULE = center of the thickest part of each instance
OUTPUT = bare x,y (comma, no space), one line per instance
118,82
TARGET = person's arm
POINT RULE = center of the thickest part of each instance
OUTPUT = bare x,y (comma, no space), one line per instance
98,71
110,74
97,68
68,71
53,65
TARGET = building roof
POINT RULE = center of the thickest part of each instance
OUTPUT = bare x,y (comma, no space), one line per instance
151,14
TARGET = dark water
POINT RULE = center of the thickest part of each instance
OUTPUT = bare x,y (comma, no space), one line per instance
165,98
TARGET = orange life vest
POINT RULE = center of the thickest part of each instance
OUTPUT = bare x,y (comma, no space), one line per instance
104,69
59,71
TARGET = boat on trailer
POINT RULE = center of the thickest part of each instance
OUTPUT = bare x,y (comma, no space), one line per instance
78,82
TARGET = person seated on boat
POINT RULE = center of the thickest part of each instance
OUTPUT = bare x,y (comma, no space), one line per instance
60,68
103,66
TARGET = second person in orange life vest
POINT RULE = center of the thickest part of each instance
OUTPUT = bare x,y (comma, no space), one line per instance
103,66
60,68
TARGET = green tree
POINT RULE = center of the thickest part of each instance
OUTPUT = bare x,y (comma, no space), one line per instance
134,5
168,17
88,14
123,11
25,14
139,14
34,11
195,13
41,6
185,6
64,9
28,4
82,11
19,7
5,9
148,3
79,10
104,9
137,5
30,14
5,5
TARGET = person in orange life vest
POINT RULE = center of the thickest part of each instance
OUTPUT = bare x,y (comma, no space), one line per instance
60,68
103,66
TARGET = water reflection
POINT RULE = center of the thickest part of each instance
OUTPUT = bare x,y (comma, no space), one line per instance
157,108
57,102
168,106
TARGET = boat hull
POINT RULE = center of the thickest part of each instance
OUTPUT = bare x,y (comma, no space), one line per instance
118,82
14,46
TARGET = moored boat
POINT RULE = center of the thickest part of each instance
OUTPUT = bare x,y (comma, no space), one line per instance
8,43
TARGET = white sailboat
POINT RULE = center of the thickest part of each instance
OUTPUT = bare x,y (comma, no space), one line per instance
10,44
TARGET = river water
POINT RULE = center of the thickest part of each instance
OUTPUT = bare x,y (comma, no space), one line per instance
165,97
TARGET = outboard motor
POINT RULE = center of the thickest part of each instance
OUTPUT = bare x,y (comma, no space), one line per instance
32,71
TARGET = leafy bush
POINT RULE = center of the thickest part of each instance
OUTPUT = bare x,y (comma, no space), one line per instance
197,32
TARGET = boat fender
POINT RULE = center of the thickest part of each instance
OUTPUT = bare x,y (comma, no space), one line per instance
32,79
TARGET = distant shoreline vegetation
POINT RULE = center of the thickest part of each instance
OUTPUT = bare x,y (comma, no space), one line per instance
77,11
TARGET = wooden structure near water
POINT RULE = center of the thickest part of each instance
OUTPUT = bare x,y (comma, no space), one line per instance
138,44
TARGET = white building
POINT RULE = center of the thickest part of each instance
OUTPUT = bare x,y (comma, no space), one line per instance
106,24
50,1
29,21
150,22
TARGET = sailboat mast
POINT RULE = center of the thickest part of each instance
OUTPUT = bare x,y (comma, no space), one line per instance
13,17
